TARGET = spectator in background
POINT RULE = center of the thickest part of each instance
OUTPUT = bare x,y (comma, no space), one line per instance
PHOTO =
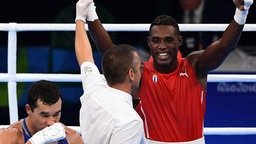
197,12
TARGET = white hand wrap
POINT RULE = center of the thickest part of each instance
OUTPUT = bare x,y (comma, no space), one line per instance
240,16
92,14
49,134
81,9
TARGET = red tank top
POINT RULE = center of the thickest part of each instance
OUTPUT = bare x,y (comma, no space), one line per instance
172,105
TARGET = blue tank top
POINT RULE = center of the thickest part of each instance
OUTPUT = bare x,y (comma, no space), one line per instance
27,134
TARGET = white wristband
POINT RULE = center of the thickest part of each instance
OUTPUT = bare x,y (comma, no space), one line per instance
91,12
240,16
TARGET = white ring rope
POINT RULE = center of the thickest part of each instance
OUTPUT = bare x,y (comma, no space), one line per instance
116,27
230,131
207,130
12,77
29,77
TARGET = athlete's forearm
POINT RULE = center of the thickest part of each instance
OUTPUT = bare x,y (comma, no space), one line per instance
100,36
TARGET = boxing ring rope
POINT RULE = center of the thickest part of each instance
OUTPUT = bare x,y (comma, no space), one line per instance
12,77
207,130
18,27
30,77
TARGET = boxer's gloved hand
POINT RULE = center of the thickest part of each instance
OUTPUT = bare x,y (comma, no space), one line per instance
49,134
241,15
82,9
91,12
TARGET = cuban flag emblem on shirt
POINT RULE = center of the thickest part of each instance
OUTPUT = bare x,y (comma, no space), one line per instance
154,78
